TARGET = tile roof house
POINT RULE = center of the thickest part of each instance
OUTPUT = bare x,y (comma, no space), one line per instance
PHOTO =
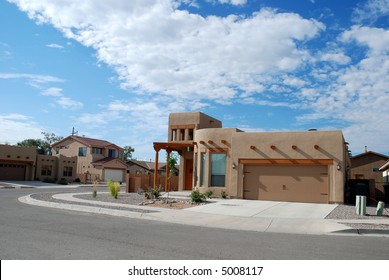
96,159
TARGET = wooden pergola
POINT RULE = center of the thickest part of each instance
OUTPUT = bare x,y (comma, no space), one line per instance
168,147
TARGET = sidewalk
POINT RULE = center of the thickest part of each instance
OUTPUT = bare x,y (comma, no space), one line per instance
237,214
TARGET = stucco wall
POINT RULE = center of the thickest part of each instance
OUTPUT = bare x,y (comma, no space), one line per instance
258,145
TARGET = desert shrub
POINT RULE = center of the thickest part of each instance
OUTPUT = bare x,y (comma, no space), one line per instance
48,180
154,192
209,193
114,188
197,196
62,181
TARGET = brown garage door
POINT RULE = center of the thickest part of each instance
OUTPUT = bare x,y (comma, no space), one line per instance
286,183
12,172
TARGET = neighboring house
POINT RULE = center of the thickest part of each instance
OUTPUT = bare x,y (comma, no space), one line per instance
385,173
385,180
365,167
56,167
24,164
306,166
17,163
146,167
96,159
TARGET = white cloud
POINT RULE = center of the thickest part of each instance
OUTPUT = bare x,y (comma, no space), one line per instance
68,103
53,91
17,127
337,57
158,49
33,78
54,46
233,2
371,10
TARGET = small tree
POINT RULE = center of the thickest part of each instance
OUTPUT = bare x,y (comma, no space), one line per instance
171,161
128,150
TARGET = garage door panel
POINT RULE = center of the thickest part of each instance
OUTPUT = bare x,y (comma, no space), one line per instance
113,174
287,183
12,172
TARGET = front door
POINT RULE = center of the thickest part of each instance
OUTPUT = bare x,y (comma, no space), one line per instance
188,174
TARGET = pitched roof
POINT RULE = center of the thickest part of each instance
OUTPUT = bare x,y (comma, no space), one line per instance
370,153
149,165
90,142
106,160
385,166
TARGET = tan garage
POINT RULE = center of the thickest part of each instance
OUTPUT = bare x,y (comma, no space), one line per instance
294,183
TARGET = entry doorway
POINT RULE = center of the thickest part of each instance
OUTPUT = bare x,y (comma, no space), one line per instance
188,174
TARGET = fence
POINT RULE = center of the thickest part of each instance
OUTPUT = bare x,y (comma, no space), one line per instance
137,182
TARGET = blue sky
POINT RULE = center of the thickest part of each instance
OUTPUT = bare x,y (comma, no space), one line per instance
115,69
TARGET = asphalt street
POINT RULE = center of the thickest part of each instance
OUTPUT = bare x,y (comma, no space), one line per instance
33,232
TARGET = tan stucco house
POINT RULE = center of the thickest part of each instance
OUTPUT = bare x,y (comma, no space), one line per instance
17,163
303,166
96,159
365,168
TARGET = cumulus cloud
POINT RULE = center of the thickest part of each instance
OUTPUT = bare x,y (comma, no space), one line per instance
370,11
156,48
177,60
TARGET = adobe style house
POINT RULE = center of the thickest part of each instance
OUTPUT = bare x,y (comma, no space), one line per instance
17,163
96,159
365,167
304,166
24,164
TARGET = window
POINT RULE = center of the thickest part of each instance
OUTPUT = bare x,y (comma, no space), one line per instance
111,153
46,170
82,152
202,168
218,170
97,151
190,134
67,171
121,155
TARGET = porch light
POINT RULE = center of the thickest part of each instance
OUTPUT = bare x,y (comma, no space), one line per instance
338,167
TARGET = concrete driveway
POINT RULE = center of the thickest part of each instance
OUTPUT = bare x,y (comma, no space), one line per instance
265,209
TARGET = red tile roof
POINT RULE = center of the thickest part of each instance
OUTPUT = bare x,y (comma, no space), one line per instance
90,142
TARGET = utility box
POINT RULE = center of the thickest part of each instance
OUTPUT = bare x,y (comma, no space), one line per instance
380,208
360,205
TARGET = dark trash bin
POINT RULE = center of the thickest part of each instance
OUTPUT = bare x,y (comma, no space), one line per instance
386,190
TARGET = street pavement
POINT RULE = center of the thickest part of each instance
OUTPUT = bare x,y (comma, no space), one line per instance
261,216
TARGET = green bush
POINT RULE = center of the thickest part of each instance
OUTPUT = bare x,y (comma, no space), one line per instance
209,194
62,181
48,180
114,188
224,194
154,192
197,196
